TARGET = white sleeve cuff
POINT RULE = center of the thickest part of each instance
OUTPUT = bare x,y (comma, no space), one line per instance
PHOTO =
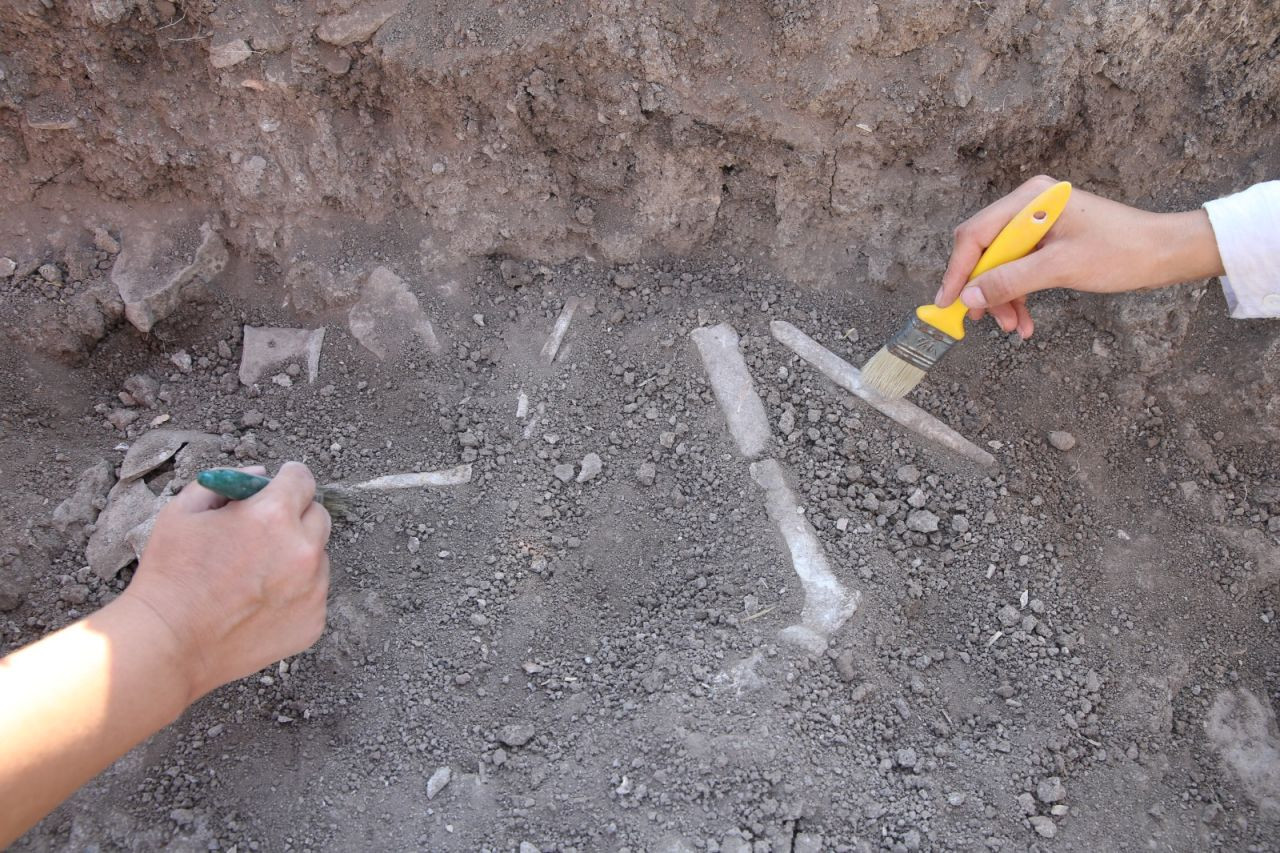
1247,228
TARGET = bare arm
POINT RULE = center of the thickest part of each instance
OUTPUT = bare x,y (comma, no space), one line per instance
221,591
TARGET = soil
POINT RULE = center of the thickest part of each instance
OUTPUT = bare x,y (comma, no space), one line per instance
1082,656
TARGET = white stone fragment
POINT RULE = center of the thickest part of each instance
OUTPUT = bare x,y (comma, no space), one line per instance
731,382
266,347
849,378
552,346
827,604
447,477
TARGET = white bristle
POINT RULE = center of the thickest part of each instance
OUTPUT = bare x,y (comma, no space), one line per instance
890,375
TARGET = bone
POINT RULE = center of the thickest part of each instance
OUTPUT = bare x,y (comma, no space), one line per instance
731,382
447,477
552,346
827,604
849,378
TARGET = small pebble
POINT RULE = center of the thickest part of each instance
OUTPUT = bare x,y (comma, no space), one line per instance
1061,440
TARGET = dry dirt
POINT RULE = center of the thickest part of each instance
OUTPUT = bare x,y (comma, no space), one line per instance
1083,656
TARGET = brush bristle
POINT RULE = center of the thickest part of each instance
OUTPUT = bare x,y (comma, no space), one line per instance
337,502
890,375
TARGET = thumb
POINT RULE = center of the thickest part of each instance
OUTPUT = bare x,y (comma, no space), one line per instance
1010,281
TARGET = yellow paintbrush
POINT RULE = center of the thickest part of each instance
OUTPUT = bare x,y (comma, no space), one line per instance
902,363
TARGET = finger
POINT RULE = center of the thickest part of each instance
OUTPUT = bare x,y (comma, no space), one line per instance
1025,324
293,486
1005,316
976,314
316,524
975,234
1007,282
196,498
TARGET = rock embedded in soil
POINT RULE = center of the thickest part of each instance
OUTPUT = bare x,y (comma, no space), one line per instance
264,348
591,468
356,26
228,53
1044,826
1050,790
922,521
81,508
1062,440
515,734
160,266
438,781
647,473
388,317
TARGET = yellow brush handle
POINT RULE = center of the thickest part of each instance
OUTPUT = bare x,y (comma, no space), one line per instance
1017,239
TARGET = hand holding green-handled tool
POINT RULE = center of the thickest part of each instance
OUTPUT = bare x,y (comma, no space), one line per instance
238,485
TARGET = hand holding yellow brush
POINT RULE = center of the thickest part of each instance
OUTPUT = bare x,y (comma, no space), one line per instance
902,363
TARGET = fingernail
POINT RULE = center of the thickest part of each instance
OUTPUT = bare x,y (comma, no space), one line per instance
937,299
972,297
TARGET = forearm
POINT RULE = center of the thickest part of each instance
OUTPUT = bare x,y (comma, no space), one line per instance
1183,248
77,700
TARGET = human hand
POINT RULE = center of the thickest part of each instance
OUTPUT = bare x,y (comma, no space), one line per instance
239,584
1096,245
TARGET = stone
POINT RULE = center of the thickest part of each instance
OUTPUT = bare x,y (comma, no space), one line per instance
438,781
807,842
1026,803
1050,790
922,521
104,242
515,273
74,593
845,667
50,273
15,582
563,473
1061,440
82,507
312,288
906,758
7,267
161,266
143,389
129,504
181,360
908,474
107,12
356,26
591,468
388,316
1009,616
1044,826
153,449
515,734
228,53
647,473
265,347
624,280
122,418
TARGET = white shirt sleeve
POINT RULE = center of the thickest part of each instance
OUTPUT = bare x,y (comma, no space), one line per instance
1247,227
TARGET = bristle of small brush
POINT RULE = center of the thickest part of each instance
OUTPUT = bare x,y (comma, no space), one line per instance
890,375
336,501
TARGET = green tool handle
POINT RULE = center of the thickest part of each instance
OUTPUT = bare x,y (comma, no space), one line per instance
232,484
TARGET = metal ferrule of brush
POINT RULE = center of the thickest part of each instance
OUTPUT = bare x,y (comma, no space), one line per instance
920,344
